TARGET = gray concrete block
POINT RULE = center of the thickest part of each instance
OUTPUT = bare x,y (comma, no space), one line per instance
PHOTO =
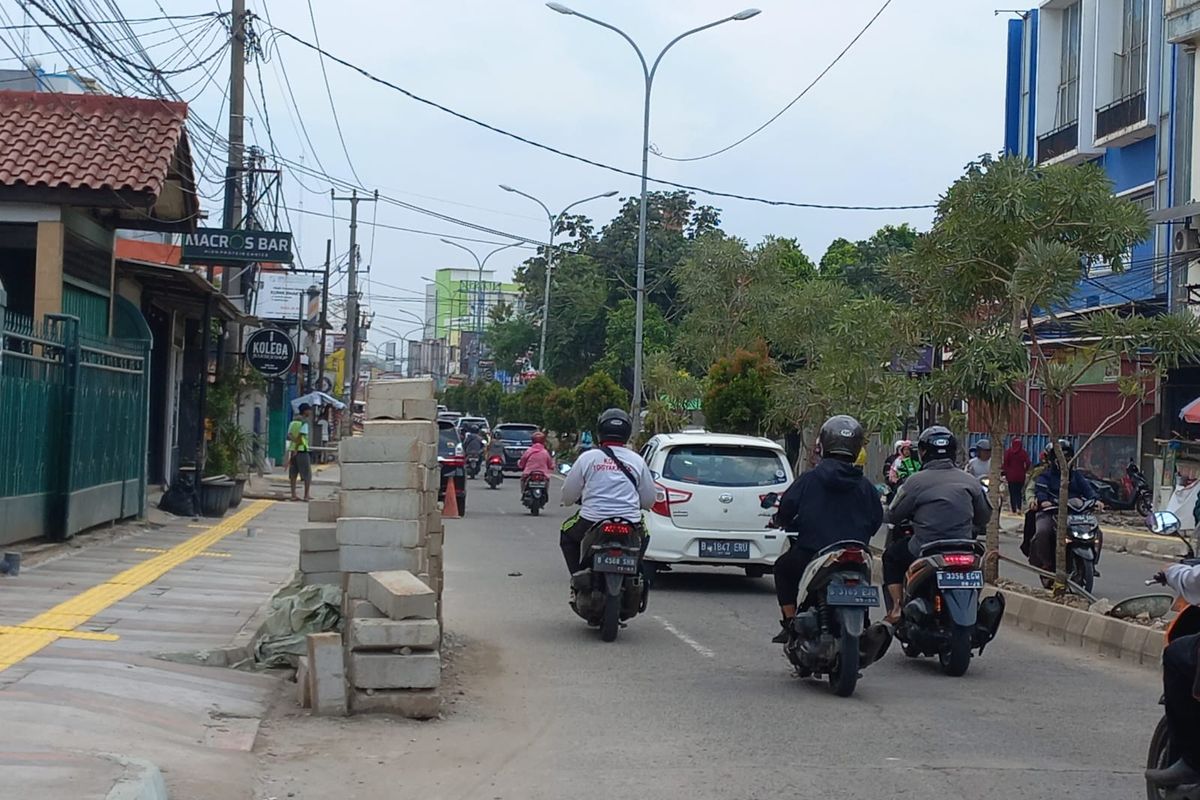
409,703
401,389
393,671
359,609
420,409
390,634
354,585
387,503
404,430
374,449
429,456
362,558
303,684
400,595
332,578
378,532
434,541
323,510
316,540
383,475
328,673
320,561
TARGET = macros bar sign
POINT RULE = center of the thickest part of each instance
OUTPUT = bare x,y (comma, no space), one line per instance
214,245
270,351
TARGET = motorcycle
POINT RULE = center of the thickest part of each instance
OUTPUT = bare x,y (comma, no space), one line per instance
1084,542
494,474
1186,622
474,462
1137,496
536,492
943,614
610,589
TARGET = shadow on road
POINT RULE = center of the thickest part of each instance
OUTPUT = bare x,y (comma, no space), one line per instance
712,581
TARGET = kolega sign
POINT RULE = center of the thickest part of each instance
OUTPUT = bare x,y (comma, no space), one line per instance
270,351
214,245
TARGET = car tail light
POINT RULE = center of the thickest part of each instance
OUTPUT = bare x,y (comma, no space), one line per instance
959,560
616,528
853,556
664,498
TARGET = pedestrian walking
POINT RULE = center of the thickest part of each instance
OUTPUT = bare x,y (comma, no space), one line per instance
299,463
1015,469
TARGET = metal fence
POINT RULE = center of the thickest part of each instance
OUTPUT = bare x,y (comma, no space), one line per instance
74,420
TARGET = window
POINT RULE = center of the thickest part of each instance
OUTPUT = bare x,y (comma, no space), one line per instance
1146,203
1132,63
724,465
1068,75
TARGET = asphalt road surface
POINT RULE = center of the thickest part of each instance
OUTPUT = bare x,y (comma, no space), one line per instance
693,701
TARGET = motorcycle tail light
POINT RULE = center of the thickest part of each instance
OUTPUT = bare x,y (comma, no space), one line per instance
959,560
851,557
614,552
495,460
616,528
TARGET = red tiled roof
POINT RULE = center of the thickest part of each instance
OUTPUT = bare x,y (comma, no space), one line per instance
153,252
85,141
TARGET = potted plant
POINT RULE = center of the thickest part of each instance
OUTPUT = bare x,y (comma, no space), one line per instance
232,449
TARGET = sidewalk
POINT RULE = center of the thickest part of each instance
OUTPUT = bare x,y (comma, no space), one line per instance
84,700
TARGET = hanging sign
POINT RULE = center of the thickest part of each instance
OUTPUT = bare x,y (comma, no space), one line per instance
215,245
270,351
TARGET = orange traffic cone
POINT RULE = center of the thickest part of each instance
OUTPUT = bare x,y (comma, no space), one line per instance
450,504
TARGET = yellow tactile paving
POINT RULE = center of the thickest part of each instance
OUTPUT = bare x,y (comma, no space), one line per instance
19,642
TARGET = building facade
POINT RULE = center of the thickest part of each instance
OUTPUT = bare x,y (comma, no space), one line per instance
459,306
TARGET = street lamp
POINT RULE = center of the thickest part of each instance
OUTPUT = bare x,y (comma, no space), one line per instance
480,263
554,220
648,72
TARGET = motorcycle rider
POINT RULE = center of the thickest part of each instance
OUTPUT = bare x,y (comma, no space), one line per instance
1181,663
941,501
828,503
979,466
609,480
1041,548
536,459
903,466
473,444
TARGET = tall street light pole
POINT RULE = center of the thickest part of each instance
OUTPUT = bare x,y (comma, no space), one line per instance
648,72
480,262
554,220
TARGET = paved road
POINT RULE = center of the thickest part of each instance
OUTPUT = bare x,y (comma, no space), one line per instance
693,702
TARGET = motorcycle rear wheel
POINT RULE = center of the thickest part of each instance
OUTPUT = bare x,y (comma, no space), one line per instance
843,679
1158,757
956,658
534,509
610,623
1143,506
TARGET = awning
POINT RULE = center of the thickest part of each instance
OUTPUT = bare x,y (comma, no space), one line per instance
317,399
186,289
1175,213
1191,412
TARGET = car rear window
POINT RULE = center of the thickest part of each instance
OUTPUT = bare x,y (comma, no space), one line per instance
724,465
517,435
447,440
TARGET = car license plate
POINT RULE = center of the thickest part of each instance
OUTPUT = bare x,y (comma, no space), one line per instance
622,564
960,580
843,595
724,548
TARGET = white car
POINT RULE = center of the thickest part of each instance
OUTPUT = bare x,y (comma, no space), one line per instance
709,505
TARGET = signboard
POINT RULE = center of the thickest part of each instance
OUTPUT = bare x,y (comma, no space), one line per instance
270,351
280,295
216,245
487,370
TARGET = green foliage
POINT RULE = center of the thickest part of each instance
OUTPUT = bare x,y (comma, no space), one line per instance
861,265
594,394
232,450
738,393
669,389
619,339
511,339
559,411
511,408
533,400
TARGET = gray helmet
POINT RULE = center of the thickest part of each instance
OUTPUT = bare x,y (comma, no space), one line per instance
983,444
614,425
841,435
936,442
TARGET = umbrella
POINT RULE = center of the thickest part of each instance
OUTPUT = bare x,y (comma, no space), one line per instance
1191,412
317,399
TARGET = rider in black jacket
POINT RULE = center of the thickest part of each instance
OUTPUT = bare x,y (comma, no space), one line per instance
827,504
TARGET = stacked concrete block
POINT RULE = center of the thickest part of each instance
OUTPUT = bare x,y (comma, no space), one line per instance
412,398
319,562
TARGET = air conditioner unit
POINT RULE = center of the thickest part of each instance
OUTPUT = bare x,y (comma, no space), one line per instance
1185,240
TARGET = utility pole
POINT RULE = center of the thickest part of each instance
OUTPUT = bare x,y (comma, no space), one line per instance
324,313
352,321
237,120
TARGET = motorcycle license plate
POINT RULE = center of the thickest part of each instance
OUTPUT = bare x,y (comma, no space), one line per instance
843,595
622,564
1081,519
724,548
960,580
536,485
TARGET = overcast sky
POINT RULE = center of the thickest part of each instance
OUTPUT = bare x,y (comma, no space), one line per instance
893,123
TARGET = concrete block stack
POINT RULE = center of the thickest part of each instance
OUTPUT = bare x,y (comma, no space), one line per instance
386,550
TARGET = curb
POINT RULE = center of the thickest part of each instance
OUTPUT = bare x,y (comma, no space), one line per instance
1094,633
1123,540
142,781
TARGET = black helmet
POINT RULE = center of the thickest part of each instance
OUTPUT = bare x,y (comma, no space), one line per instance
841,436
936,442
1067,448
614,425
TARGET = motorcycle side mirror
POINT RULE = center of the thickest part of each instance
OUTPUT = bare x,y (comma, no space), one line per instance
1163,523
770,499
564,468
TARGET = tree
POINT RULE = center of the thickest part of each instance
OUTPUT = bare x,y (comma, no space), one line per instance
510,340
619,339
861,265
533,400
595,394
560,411
841,255
671,391
1010,241
737,396
489,399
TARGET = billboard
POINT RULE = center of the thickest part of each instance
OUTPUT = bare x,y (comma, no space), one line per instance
279,295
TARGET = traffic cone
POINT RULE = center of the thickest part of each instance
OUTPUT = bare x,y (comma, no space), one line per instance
450,504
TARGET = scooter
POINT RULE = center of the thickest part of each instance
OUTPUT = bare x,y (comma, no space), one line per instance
494,474
610,588
474,462
536,492
1136,496
1085,542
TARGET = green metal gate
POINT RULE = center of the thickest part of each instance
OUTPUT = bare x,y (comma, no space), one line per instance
74,419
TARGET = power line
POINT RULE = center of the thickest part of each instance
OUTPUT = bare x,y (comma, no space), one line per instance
337,123
582,159
165,17
386,226
795,99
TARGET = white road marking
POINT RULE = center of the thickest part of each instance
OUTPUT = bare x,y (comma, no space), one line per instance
683,637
